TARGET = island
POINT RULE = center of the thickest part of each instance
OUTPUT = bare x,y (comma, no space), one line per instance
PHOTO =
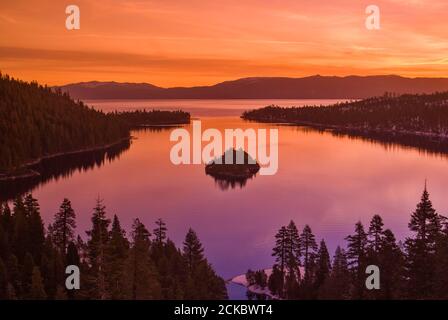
152,118
232,174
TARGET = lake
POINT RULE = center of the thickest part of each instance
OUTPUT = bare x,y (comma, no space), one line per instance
329,182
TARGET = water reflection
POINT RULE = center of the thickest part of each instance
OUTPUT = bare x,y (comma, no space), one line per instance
234,173
64,166
423,144
230,183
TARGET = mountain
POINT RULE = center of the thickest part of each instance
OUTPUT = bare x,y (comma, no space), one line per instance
110,90
314,87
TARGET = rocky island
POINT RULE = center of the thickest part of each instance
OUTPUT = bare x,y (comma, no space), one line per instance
230,173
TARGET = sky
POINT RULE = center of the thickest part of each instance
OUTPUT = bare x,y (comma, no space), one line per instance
201,42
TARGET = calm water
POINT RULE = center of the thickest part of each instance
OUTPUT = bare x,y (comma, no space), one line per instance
325,181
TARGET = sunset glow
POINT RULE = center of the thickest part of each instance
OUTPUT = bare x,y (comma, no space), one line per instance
198,42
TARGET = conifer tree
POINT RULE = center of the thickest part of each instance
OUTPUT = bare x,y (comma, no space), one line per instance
96,250
281,248
193,251
117,252
391,263
275,281
64,226
375,233
142,279
426,224
338,284
160,231
20,238
293,249
323,265
292,261
36,237
308,250
357,254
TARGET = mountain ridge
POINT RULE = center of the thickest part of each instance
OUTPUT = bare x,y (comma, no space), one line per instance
310,87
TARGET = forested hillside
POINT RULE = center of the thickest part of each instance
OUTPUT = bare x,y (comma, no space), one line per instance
415,268
406,114
114,264
36,121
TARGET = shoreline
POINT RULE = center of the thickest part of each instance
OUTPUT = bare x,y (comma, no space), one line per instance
26,172
363,131
241,280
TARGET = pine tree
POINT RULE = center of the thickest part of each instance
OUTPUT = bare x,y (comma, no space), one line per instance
160,231
308,250
323,265
281,248
338,284
426,224
357,254
391,263
36,230
20,238
117,252
96,250
193,251
292,261
293,249
375,233
142,279
52,268
64,226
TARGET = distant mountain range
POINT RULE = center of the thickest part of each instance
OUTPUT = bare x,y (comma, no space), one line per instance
314,87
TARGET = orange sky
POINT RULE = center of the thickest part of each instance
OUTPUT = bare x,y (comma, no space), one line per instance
199,42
